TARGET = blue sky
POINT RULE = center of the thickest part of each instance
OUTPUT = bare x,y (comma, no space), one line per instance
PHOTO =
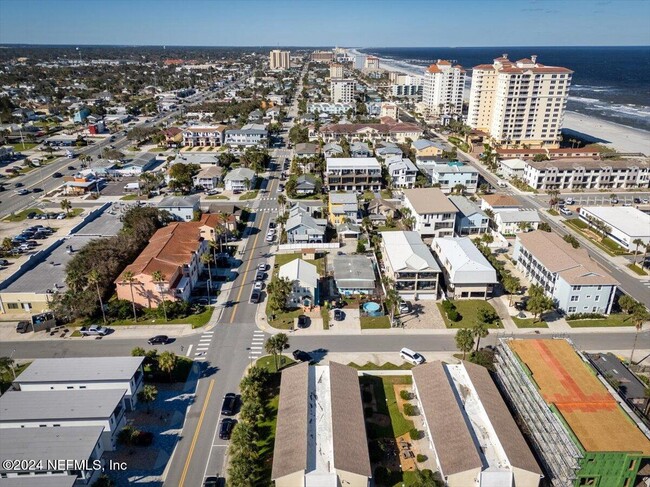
351,23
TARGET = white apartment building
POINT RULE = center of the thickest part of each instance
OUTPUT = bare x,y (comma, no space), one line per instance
519,102
434,214
342,90
625,224
371,63
248,135
279,59
330,108
402,172
443,88
568,275
587,174
336,71
406,86
211,136
353,174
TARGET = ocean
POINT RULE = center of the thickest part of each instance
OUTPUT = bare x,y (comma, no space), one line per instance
610,83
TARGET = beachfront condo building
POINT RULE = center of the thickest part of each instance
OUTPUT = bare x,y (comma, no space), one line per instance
519,103
443,89
336,71
406,86
371,63
342,90
279,59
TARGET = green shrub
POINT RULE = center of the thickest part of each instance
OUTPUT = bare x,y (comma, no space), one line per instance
453,315
406,395
421,458
416,434
410,410
122,309
584,316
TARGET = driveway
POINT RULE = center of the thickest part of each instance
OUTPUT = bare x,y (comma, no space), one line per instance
424,315
351,322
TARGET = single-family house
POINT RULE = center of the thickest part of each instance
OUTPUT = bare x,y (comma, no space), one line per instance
307,184
304,283
388,149
510,222
470,219
181,208
208,177
428,148
402,172
467,273
306,149
348,233
332,150
379,210
353,274
512,168
434,215
302,227
239,179
343,207
173,136
360,149
499,202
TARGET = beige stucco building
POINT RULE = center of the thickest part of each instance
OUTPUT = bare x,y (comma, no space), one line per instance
279,59
519,102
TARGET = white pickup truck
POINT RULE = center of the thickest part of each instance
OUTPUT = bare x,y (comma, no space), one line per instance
93,330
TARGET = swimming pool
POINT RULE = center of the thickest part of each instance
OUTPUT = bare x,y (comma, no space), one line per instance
372,308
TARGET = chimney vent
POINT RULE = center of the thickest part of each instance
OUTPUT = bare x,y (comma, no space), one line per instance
533,58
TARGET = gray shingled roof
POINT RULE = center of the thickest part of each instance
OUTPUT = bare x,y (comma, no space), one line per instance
80,369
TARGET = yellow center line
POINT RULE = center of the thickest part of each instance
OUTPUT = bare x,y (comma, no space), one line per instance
196,434
250,260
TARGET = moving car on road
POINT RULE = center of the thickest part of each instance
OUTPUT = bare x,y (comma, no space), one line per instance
301,356
158,340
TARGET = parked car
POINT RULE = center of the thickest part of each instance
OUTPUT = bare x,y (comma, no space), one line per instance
225,428
256,297
411,356
339,315
23,326
158,340
637,201
570,201
566,212
4,262
270,237
258,285
229,404
261,267
405,307
301,356
57,175
303,321
95,330
260,275
214,482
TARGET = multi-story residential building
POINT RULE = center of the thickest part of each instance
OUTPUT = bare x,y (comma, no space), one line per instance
371,63
402,172
407,86
249,135
65,409
568,275
331,108
434,214
181,208
239,179
343,207
208,177
511,222
76,373
579,430
512,168
588,174
467,273
519,102
390,110
470,219
303,277
302,227
336,71
279,59
623,224
212,136
443,89
353,274
175,251
410,263
550,153
342,90
451,174
368,132
322,56
353,174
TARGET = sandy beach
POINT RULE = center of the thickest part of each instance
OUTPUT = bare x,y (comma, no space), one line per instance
619,137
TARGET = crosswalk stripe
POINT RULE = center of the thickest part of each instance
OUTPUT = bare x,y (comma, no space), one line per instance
199,358
208,340
258,332
256,348
202,349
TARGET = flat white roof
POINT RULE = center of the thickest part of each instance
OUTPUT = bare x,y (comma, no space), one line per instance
91,369
320,443
629,220
514,163
407,251
352,163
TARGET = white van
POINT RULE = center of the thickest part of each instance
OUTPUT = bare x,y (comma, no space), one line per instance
566,212
411,356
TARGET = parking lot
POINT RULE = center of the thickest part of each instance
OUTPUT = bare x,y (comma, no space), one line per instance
116,187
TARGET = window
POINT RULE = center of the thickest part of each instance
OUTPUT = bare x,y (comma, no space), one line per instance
574,298
577,288
13,305
572,309
597,298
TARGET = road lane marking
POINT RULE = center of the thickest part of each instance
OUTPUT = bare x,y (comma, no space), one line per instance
189,350
205,340
196,435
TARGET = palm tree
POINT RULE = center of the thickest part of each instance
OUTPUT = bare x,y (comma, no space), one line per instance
66,205
148,395
6,364
167,363
512,285
282,343
480,330
159,278
639,316
129,279
464,340
524,226
93,278
205,259
247,183
271,348
638,242
554,195
282,200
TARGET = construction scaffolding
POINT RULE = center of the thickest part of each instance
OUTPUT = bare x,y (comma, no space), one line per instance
552,442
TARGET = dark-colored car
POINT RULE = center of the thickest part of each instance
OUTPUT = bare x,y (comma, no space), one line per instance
637,201
4,262
303,321
23,326
158,340
301,355
72,168
37,190
19,185
229,404
256,297
225,428
339,315
214,482
57,175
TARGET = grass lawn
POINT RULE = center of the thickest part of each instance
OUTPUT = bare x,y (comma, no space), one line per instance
459,143
7,376
528,323
157,149
283,320
468,309
618,319
387,405
196,321
281,259
249,195
131,197
75,212
384,228
553,212
606,244
386,366
21,147
267,362
577,223
374,322
635,268
217,197
386,193
325,314
21,215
